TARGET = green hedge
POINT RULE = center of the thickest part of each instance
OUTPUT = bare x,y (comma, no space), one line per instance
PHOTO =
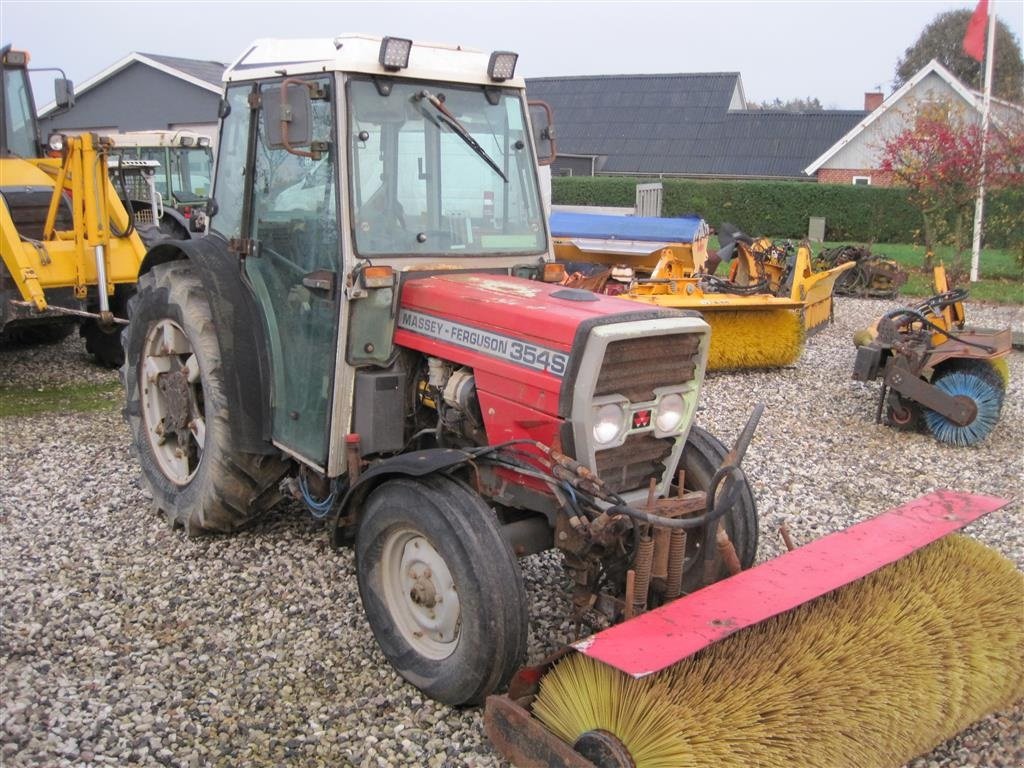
782,208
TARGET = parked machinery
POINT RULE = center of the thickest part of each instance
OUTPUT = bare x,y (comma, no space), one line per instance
934,373
182,180
373,327
873,276
70,250
760,312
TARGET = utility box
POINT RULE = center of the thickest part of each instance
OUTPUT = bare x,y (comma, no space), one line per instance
648,199
816,229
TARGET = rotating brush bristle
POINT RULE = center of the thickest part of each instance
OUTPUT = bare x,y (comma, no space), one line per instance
874,673
765,338
979,383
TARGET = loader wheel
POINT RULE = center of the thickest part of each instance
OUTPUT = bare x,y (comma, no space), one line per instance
177,408
978,381
104,342
38,333
441,588
702,456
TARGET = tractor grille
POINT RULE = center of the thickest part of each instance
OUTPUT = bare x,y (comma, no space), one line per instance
634,368
28,207
634,463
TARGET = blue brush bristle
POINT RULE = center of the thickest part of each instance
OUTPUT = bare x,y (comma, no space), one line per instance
987,396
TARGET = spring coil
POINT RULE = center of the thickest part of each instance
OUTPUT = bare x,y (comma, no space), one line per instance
676,556
642,566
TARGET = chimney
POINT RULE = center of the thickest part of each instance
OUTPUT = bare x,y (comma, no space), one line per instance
872,101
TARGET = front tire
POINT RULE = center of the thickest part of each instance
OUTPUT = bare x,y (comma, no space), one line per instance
702,456
177,408
441,588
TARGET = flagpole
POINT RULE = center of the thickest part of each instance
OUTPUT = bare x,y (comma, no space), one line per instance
979,204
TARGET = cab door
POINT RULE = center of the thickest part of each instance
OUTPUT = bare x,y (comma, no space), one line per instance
295,265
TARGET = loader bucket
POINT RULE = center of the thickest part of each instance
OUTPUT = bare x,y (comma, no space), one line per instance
868,646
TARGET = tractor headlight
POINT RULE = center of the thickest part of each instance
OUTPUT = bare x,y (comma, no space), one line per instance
56,142
671,411
609,419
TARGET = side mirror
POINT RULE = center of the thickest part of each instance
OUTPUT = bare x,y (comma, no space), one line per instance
64,93
543,132
288,115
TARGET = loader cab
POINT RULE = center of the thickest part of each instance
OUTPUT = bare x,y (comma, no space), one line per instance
364,160
19,133
19,130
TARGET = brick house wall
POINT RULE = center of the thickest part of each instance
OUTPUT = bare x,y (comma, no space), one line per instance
845,176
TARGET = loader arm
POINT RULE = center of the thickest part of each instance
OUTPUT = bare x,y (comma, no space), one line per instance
100,243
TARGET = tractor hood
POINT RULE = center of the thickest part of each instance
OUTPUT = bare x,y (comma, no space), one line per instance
517,335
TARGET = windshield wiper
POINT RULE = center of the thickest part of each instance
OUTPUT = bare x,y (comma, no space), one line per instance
460,130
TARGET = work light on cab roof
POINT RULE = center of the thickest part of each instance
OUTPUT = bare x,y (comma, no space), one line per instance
394,53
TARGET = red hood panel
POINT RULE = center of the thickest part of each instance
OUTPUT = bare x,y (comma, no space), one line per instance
521,308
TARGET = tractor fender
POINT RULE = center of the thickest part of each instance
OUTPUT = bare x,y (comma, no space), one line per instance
180,220
238,323
412,464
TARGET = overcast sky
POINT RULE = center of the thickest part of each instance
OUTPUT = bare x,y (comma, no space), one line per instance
834,50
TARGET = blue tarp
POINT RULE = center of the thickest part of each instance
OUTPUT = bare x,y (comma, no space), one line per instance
599,226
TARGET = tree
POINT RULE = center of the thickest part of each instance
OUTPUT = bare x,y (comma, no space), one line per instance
938,159
943,40
810,104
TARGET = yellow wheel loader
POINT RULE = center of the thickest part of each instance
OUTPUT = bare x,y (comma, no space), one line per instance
375,327
70,251
760,313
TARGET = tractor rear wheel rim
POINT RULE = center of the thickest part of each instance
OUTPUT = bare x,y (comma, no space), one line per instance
420,594
172,401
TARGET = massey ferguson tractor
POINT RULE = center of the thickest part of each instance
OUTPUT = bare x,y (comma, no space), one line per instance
375,326
370,329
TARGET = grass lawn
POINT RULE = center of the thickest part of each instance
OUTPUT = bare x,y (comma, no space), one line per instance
30,401
1000,276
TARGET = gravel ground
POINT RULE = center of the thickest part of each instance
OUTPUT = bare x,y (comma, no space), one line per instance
123,642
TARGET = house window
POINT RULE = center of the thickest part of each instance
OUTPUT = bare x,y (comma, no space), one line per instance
862,181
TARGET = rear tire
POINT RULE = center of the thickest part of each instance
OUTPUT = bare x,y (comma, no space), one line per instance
702,456
428,538
177,408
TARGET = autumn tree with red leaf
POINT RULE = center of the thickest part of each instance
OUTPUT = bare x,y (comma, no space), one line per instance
939,160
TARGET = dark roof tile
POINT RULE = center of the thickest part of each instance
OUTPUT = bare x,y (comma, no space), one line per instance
680,123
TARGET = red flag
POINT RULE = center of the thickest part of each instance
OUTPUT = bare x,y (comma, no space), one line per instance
974,38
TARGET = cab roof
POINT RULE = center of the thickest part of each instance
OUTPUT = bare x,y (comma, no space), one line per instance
270,58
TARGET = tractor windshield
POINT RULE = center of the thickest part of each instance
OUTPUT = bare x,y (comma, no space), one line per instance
441,169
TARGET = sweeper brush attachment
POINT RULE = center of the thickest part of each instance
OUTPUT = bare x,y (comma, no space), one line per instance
763,338
872,673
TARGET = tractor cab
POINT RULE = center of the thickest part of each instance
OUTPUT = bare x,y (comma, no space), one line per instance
357,160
